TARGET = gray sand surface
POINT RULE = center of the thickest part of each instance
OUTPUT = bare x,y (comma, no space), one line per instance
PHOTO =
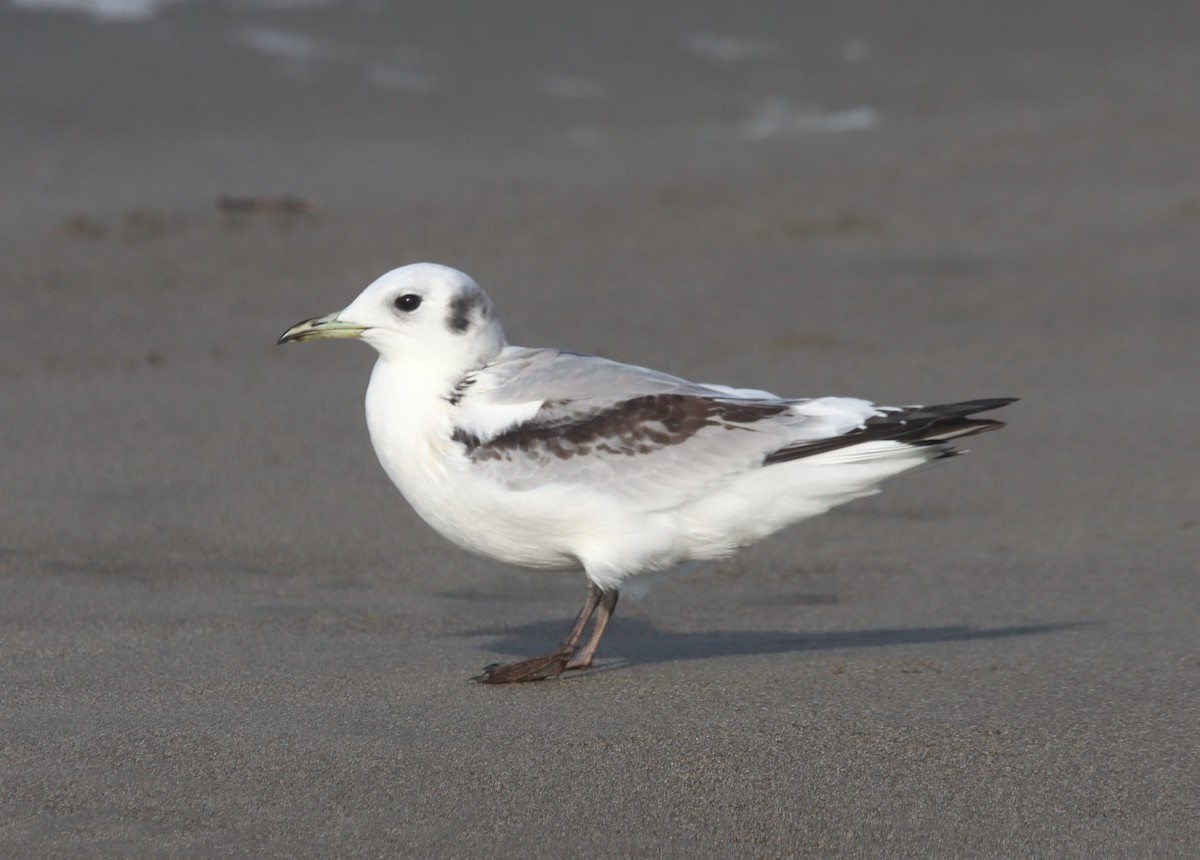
222,632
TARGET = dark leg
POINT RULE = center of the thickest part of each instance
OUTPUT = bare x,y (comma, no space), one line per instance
549,665
608,604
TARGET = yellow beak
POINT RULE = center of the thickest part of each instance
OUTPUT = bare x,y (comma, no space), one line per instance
318,328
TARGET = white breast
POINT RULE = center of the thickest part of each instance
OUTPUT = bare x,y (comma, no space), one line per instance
550,527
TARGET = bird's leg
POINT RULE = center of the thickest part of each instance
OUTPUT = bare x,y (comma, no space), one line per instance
608,604
549,665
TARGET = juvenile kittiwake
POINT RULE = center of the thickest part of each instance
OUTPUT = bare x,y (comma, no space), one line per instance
561,461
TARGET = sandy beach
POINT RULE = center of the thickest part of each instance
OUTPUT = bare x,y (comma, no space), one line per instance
224,634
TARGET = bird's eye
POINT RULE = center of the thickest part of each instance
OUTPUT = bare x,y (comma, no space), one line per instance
408,302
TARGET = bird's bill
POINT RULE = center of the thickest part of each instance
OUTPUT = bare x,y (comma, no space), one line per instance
319,328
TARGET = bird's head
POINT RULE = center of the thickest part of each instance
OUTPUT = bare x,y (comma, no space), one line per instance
423,313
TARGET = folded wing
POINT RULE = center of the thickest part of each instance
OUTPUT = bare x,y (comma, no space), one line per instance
542,416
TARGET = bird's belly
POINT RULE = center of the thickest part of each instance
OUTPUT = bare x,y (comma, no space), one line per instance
549,527
508,531
524,528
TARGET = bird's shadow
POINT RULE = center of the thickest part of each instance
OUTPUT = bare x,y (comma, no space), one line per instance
636,641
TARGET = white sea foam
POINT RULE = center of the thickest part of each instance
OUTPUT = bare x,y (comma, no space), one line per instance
105,10
779,118
291,46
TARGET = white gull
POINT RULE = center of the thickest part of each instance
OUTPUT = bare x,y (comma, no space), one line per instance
561,461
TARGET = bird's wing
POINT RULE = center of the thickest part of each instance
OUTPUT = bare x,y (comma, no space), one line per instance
537,417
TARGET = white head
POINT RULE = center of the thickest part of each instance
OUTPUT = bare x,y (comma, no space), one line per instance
422,314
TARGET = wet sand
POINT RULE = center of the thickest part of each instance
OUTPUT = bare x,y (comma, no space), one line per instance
222,632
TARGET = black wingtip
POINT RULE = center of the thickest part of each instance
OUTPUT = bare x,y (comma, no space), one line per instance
971,407
926,426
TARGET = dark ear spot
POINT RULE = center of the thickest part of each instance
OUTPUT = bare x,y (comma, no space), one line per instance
460,312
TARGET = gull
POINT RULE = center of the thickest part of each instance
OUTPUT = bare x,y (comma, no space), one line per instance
557,460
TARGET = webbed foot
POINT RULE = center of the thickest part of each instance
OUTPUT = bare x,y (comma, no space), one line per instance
533,669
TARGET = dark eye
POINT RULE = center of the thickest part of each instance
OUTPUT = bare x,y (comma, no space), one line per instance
408,302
